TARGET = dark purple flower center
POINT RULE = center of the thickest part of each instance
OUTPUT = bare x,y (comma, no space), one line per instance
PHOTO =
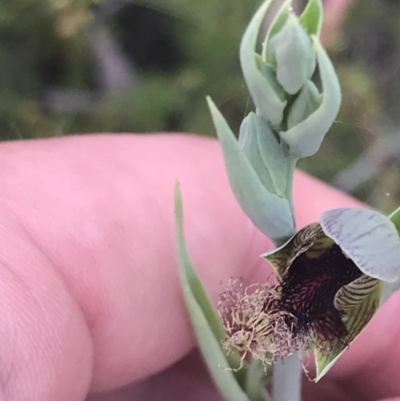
309,289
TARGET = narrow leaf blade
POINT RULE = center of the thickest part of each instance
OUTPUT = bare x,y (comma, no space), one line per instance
205,321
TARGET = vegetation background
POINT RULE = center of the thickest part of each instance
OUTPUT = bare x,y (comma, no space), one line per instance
78,66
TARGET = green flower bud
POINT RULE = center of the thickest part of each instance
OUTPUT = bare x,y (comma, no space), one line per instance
267,101
264,153
256,175
305,138
307,101
269,74
291,49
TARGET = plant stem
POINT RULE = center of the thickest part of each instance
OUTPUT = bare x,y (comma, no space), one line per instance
256,380
286,381
289,184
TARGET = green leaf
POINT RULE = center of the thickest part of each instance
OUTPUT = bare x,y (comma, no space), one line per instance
312,17
267,102
305,138
206,324
270,213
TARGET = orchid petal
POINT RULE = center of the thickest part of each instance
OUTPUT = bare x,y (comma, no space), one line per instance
369,238
356,316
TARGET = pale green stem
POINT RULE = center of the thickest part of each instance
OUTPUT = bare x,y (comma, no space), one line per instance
255,378
289,186
286,382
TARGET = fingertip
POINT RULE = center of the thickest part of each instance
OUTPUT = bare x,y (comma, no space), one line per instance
46,351
120,265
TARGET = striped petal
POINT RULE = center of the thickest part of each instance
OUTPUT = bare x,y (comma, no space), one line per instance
282,257
358,302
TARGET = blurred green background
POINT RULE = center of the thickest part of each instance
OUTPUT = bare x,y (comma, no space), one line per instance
77,66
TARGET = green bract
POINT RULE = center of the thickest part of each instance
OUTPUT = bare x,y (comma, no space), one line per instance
264,153
268,103
206,323
307,101
251,180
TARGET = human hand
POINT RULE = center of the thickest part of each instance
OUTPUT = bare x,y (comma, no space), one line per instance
90,298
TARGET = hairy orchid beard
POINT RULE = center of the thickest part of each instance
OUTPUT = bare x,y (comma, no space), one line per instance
254,323
271,321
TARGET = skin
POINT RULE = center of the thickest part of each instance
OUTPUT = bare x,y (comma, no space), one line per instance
90,299
335,12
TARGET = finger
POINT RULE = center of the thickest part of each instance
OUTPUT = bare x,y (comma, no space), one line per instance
186,380
312,197
99,210
46,351
391,399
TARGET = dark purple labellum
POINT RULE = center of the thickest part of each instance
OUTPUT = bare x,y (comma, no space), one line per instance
308,292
